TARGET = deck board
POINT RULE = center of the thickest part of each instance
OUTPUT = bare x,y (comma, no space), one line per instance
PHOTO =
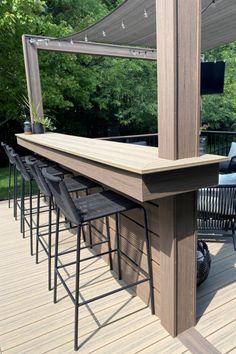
31,323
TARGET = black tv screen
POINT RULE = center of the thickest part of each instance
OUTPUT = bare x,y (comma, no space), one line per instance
212,77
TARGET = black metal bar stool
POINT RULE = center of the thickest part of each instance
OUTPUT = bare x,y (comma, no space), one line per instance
12,165
26,176
10,189
80,211
73,184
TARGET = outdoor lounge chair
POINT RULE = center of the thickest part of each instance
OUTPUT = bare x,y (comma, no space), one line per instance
217,211
229,165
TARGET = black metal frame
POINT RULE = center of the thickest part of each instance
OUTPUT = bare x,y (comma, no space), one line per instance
75,299
11,191
44,189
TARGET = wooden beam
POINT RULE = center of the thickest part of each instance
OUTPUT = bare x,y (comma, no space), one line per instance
90,48
32,76
179,38
178,30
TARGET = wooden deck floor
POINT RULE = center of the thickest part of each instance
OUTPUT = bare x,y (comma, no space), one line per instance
31,323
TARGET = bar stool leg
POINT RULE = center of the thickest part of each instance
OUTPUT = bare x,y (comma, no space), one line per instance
21,203
15,193
84,238
56,255
77,278
31,218
37,228
149,259
9,185
118,246
90,235
50,245
22,215
89,227
109,242
233,234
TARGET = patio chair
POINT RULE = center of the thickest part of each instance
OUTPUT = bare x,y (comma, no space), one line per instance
73,184
229,165
10,188
12,173
80,211
26,177
217,211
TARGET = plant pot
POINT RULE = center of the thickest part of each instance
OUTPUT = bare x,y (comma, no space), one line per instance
38,128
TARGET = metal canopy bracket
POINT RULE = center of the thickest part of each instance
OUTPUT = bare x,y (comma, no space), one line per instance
91,48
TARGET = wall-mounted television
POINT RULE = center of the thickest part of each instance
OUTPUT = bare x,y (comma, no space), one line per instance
212,77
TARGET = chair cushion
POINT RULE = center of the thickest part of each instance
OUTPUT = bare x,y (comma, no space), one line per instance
229,178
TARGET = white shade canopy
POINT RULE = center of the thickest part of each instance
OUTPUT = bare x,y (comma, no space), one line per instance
134,23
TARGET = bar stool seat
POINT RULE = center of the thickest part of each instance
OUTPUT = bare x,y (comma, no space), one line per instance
102,204
77,183
54,169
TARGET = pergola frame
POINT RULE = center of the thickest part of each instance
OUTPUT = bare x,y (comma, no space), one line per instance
31,45
179,53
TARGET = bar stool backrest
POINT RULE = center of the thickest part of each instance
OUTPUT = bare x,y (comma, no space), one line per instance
62,197
20,166
37,174
7,149
42,183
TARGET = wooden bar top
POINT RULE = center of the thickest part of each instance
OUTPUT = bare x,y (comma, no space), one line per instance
129,157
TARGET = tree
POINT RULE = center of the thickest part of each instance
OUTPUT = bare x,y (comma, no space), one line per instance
16,18
88,95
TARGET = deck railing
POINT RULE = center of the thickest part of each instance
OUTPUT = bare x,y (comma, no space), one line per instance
149,139
218,142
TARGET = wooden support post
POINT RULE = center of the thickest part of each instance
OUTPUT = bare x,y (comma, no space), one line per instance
178,47
32,76
177,262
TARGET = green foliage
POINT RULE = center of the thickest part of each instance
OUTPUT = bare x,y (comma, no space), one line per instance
90,96
16,18
48,124
127,93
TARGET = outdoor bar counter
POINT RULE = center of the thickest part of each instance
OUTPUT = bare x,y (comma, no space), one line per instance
168,191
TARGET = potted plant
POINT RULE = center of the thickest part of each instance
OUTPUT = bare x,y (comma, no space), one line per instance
40,124
38,127
48,124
